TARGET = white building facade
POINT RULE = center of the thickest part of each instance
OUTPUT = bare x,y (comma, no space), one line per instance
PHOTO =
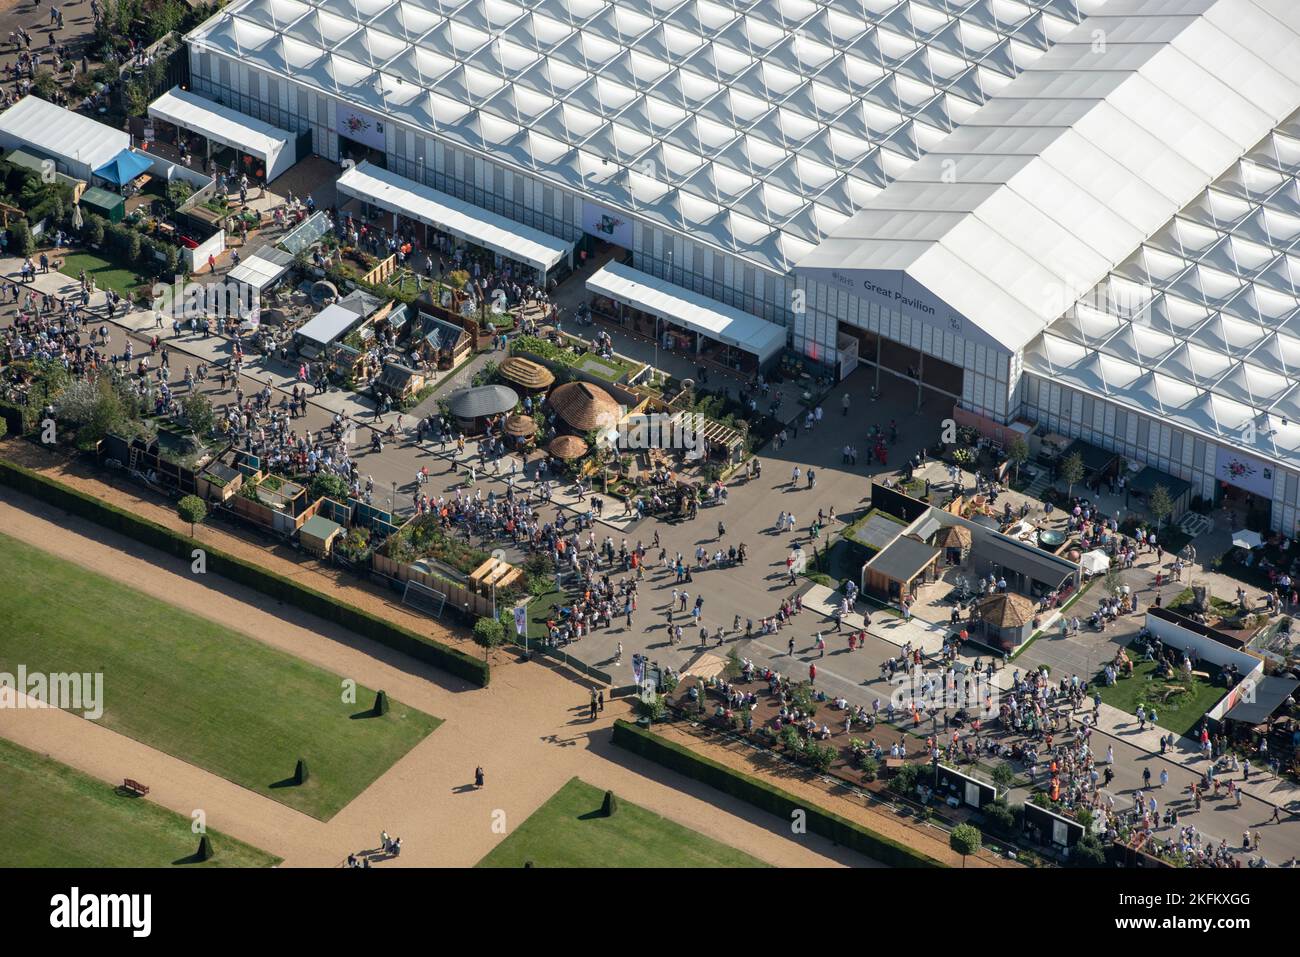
938,182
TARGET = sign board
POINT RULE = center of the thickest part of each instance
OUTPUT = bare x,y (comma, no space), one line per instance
1244,472
970,791
359,126
896,290
604,223
1050,827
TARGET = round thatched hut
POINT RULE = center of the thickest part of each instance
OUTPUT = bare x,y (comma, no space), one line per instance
1006,619
525,374
567,448
583,407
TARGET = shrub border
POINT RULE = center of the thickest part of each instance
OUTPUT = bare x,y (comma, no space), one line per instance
767,797
247,573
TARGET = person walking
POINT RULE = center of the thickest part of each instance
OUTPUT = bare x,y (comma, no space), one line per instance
812,674
478,777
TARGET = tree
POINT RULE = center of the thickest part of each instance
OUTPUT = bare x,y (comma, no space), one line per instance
1072,472
965,839
609,807
381,704
92,230
178,192
1088,852
198,413
488,632
1017,452
1160,504
1003,776
205,849
300,773
329,485
21,242
192,509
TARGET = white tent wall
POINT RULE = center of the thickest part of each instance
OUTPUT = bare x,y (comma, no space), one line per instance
78,144
227,127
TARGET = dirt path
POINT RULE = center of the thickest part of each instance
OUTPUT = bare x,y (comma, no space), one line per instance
526,730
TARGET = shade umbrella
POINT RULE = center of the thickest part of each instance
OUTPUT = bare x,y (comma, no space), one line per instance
1247,539
77,221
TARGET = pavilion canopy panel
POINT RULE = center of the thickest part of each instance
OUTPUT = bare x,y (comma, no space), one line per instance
397,194
689,309
836,97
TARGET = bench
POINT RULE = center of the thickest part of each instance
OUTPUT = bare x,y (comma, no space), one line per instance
135,787
893,764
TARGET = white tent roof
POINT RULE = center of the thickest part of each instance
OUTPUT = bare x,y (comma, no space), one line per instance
683,307
1095,562
328,324
82,143
616,80
1206,311
1081,158
260,270
401,195
222,125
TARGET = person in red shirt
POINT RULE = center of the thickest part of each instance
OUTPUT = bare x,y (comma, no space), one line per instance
812,674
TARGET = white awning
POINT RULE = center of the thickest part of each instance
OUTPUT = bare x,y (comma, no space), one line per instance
332,322
79,144
683,307
261,269
397,194
221,124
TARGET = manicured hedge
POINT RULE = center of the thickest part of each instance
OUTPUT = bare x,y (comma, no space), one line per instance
246,573
767,797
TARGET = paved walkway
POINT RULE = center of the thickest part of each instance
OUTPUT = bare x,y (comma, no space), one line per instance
529,730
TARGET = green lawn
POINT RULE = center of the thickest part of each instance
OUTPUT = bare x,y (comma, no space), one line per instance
542,608
54,816
191,688
1180,713
570,831
107,275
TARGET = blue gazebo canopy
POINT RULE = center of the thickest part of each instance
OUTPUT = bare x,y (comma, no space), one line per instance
124,167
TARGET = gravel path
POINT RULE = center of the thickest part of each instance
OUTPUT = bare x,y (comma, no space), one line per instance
528,730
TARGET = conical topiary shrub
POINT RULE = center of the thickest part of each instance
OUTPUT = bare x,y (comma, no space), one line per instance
300,772
205,848
609,805
381,704
528,863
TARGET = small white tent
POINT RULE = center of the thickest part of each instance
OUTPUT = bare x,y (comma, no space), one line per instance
1095,562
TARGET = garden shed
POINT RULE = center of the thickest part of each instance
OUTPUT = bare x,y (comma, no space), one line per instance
317,535
1006,619
899,568
101,202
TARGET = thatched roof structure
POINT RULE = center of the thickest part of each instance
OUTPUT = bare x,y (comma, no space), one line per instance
526,374
567,447
1007,610
583,406
952,536
520,426
482,400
